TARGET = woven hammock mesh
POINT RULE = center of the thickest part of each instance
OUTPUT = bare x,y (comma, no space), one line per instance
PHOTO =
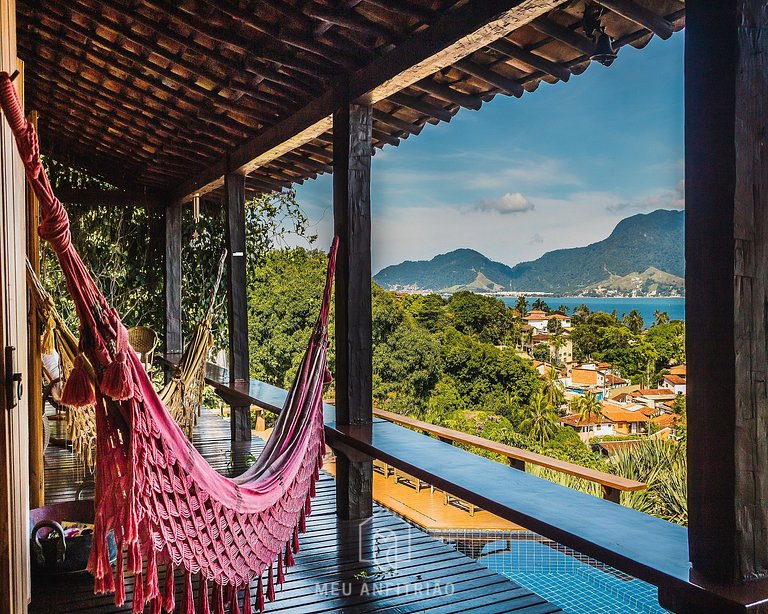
154,491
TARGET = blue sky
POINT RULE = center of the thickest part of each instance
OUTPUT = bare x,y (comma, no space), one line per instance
557,168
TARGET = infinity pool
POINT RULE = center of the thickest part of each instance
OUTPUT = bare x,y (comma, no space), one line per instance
574,582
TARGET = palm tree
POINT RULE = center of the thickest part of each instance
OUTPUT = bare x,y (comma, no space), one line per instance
541,421
554,390
540,305
521,306
662,317
556,342
634,321
589,405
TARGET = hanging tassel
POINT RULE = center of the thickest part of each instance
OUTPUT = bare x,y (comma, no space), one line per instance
288,555
170,589
119,578
247,607
134,558
280,575
153,584
312,488
295,540
138,593
260,596
156,606
302,521
78,391
202,596
218,597
234,604
48,342
116,381
270,586
189,596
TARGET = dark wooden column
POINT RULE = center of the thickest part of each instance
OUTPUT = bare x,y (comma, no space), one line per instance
726,94
237,299
352,149
173,338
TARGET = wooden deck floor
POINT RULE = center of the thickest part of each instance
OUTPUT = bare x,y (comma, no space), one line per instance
380,565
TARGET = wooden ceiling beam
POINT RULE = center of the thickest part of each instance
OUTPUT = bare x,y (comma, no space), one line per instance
421,106
445,92
564,35
397,123
641,16
97,196
452,37
510,50
505,84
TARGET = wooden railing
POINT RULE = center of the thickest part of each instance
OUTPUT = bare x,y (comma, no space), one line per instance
611,485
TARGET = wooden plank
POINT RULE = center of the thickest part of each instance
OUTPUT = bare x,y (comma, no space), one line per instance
641,16
35,359
615,482
237,299
332,553
352,150
455,35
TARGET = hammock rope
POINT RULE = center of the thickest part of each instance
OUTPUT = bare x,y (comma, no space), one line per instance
182,395
164,503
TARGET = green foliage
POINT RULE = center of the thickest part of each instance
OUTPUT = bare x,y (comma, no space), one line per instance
541,352
284,299
661,464
484,317
540,423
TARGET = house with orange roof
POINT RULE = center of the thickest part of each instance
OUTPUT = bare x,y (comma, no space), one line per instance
674,382
540,320
615,420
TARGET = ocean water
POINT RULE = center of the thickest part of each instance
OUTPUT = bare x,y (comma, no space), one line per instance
675,307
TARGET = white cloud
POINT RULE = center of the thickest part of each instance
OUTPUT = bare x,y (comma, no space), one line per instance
511,202
659,199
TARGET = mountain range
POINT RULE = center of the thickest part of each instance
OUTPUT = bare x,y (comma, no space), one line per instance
644,254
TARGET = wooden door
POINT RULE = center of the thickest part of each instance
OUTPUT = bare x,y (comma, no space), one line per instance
14,448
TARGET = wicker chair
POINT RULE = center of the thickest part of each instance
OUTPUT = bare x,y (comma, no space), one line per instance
144,340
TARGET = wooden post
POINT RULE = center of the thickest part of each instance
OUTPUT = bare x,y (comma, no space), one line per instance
14,420
352,149
34,358
726,97
173,337
237,300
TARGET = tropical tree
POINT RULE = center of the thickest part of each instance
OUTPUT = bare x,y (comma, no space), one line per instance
634,321
557,342
588,406
554,391
540,305
540,423
661,317
521,305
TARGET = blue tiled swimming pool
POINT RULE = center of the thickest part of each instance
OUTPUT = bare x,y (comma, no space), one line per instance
571,581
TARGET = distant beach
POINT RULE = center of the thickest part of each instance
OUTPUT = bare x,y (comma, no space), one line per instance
675,307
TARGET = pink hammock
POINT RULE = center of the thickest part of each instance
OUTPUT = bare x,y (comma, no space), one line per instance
164,503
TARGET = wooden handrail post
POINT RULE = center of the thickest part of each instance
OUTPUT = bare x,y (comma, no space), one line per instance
352,149
172,282
237,300
611,494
